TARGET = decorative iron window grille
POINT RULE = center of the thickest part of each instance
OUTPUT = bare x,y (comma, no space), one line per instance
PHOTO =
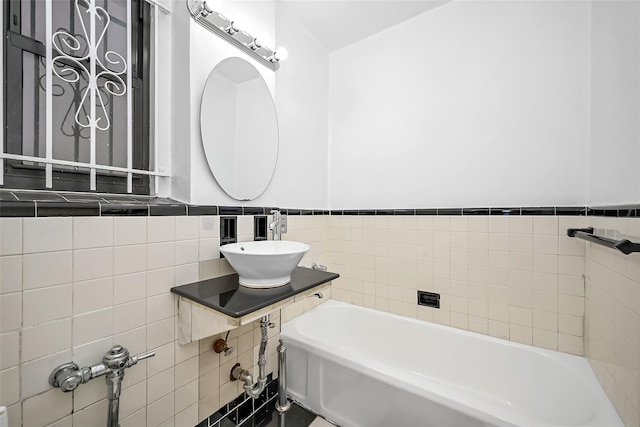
77,91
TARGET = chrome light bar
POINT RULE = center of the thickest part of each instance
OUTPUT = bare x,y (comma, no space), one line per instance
227,30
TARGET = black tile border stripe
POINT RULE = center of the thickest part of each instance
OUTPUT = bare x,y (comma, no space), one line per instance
504,211
230,210
628,213
537,211
429,212
124,210
410,212
475,211
573,211
450,211
168,210
17,209
47,209
242,407
196,210
43,204
253,211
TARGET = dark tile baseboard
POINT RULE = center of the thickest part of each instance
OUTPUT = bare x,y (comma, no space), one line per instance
244,407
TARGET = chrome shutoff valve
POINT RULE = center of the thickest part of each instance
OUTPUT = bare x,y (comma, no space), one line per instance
221,346
69,376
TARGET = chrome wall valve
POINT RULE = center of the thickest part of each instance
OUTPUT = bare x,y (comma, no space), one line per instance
69,376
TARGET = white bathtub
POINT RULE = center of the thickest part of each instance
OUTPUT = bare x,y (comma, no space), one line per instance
361,367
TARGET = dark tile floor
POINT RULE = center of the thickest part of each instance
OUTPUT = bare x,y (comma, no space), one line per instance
297,416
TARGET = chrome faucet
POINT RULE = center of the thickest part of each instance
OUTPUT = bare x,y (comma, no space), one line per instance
69,376
279,224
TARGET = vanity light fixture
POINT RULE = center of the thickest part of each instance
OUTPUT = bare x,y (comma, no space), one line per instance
227,30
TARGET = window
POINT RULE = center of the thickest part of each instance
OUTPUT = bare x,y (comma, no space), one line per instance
97,106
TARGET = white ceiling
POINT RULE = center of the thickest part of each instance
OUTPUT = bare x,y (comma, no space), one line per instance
339,23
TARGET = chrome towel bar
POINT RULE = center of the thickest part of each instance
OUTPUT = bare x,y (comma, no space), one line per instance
625,246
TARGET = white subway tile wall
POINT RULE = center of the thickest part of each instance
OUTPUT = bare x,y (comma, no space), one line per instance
245,228
47,234
612,328
37,307
10,274
496,274
46,269
11,230
507,276
92,232
72,287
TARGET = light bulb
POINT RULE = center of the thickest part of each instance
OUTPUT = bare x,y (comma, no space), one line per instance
282,54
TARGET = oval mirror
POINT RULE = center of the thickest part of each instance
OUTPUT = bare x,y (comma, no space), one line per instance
239,129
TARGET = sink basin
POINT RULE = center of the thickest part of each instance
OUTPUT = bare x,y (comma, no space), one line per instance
264,264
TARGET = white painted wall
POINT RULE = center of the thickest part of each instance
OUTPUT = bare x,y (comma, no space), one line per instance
614,174
300,179
162,98
177,109
302,103
471,104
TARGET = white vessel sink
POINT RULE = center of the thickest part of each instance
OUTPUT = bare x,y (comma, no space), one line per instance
264,264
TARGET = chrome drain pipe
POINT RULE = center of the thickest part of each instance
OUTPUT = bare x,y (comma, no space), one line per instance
237,373
283,404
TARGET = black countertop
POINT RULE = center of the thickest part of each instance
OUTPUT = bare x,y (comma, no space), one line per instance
224,294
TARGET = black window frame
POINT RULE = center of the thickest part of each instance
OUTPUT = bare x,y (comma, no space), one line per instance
22,175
